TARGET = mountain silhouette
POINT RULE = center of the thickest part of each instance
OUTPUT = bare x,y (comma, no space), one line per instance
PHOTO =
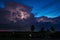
44,19
48,22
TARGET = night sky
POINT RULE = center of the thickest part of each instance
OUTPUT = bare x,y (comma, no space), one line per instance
49,8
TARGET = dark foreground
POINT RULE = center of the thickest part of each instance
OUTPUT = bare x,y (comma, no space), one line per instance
26,39
29,36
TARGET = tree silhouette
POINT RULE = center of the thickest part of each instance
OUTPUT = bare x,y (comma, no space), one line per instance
32,28
42,29
48,30
47,33
52,29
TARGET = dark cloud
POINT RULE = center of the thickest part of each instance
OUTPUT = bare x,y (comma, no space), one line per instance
39,6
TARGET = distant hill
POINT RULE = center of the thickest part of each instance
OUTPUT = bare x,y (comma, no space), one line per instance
48,22
46,19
